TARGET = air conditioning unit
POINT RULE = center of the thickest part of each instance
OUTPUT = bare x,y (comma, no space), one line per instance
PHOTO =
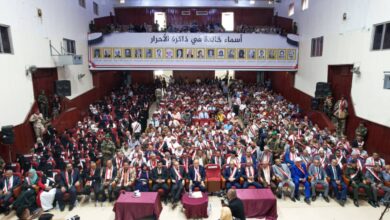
65,60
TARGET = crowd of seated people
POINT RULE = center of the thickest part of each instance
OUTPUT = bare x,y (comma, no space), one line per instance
256,138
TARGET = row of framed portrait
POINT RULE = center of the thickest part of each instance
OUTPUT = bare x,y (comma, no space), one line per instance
195,53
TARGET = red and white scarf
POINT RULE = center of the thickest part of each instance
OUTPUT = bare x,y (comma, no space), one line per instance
197,174
232,174
249,171
69,181
178,175
125,177
282,171
374,174
8,184
108,174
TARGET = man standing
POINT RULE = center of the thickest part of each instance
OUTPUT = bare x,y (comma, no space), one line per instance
340,114
357,181
318,176
69,180
282,175
336,181
108,148
299,175
38,121
197,176
177,176
136,127
43,104
160,177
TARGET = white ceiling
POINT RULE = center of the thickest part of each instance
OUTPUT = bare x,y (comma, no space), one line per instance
195,3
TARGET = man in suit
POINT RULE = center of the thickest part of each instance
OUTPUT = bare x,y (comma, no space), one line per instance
125,179
340,159
335,174
108,181
299,175
69,180
197,175
160,178
265,156
178,176
250,175
357,181
118,160
374,177
282,175
318,176
92,180
7,184
235,204
375,160
232,176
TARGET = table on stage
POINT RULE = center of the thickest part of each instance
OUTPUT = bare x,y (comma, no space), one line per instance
195,207
128,207
258,203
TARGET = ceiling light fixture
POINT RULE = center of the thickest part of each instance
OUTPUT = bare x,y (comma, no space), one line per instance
252,2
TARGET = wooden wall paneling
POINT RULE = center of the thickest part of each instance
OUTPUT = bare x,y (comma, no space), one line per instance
246,76
192,75
142,77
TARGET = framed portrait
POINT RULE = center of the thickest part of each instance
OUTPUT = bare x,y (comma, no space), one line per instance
261,53
210,53
169,53
220,53
200,53
241,54
189,53
148,53
138,53
251,54
117,53
271,54
159,53
291,54
127,52
179,54
96,53
107,52
281,54
231,53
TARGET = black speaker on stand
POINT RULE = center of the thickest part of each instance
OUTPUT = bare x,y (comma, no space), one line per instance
62,88
8,137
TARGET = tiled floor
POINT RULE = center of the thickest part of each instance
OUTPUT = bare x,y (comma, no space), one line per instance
287,210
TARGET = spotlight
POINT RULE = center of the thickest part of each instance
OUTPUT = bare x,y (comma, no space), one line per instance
252,2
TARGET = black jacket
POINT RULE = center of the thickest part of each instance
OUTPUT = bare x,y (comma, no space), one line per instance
237,208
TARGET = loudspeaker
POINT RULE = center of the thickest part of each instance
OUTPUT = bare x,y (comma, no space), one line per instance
7,134
62,88
315,104
322,90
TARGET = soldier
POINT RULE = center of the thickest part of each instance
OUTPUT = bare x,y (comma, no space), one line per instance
361,131
328,104
340,114
38,121
43,104
108,148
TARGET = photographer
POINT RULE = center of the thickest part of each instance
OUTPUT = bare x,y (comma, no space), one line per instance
235,204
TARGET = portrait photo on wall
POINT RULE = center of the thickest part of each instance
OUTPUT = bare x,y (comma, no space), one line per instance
96,53
271,54
210,53
158,53
241,53
127,53
179,53
291,54
220,53
281,54
231,54
148,53
261,54
169,53
117,53
138,53
200,53
251,54
107,53
189,53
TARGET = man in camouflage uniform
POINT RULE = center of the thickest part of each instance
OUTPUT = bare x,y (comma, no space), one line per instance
340,114
274,145
43,104
361,131
108,148
328,104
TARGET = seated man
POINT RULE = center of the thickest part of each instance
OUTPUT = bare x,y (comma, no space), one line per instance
160,178
249,173
374,177
318,176
197,175
142,182
357,181
92,181
7,186
386,179
265,174
375,160
108,181
282,175
232,176
177,176
68,181
299,175
335,173
265,156
124,179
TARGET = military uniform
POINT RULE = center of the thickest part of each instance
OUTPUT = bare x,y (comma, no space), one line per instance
355,177
108,149
361,131
43,104
340,115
